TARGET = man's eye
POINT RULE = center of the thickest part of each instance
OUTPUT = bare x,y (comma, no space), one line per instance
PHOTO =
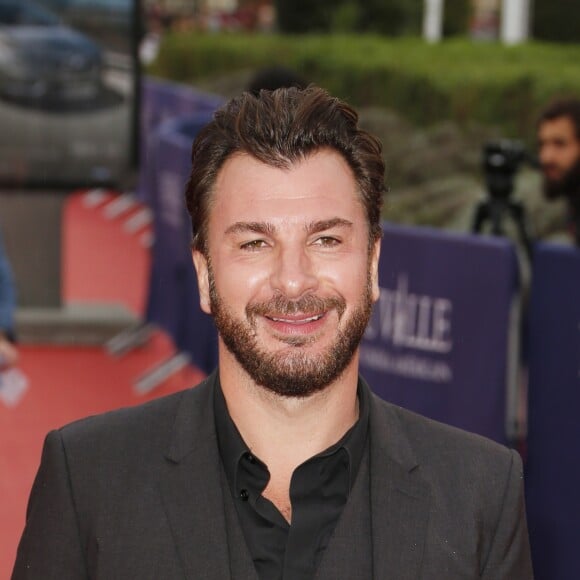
253,245
327,241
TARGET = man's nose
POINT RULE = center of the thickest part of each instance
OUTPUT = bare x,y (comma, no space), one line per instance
546,154
293,273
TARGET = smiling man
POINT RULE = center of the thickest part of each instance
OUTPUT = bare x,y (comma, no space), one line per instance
282,464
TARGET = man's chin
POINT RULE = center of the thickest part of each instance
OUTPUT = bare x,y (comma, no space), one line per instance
289,384
295,372
565,185
309,343
285,342
552,189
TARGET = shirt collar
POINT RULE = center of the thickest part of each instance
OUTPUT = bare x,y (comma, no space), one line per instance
232,447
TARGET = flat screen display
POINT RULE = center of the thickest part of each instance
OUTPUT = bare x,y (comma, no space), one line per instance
68,73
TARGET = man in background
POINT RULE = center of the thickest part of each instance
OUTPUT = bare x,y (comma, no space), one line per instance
559,156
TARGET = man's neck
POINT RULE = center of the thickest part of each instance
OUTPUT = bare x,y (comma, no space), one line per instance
284,432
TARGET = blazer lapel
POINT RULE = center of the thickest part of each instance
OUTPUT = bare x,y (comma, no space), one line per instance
400,498
191,490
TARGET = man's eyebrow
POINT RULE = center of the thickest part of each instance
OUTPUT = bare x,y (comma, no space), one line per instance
268,229
323,225
253,227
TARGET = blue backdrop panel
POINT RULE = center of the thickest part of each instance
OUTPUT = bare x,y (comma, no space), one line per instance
553,466
173,301
163,101
438,339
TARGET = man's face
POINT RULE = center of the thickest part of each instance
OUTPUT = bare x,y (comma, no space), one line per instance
289,277
559,155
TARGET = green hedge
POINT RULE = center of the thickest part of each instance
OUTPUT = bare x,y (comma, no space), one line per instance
468,82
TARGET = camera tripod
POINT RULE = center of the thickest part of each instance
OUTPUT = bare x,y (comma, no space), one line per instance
494,210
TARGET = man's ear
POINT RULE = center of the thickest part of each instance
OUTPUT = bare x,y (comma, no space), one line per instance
201,267
374,270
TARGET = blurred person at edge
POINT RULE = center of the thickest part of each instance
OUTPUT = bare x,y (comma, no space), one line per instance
559,156
8,352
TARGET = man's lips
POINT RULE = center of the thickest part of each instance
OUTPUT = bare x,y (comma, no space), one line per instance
551,171
294,324
291,321
296,319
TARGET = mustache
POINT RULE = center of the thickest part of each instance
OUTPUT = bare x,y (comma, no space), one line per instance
548,166
309,304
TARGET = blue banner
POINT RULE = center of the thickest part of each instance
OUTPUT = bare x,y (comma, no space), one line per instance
553,465
171,116
437,342
173,301
165,101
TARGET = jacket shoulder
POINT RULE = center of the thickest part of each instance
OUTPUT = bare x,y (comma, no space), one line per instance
143,422
444,451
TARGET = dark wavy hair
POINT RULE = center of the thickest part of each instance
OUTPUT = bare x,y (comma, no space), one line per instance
280,128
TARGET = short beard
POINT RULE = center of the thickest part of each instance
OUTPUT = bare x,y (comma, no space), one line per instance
291,374
567,186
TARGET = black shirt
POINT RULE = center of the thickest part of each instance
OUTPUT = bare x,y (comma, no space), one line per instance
319,489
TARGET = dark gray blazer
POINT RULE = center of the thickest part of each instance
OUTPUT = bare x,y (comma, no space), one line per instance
136,494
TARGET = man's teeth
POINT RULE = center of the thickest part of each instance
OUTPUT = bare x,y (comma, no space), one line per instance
301,320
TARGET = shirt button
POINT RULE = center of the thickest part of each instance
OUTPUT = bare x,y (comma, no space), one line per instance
244,495
250,458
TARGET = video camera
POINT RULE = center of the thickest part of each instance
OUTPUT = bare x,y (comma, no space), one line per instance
501,161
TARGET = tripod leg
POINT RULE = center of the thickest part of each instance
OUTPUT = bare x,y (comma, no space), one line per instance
481,215
519,216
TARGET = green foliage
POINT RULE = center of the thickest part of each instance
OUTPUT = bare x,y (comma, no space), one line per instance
468,82
392,17
556,20
346,17
301,16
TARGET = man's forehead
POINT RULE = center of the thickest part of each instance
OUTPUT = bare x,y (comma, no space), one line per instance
323,169
319,189
560,126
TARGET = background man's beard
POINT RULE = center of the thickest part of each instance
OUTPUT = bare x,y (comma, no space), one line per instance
566,186
288,373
